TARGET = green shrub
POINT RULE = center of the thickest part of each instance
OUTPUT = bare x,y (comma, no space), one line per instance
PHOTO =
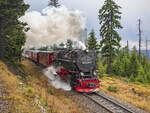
101,69
132,78
50,91
113,89
22,70
30,92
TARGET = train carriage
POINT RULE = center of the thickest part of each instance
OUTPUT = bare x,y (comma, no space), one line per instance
45,58
32,54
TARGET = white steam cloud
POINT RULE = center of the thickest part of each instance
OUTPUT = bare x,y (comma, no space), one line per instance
55,80
53,25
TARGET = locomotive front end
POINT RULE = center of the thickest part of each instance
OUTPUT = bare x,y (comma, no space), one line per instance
87,80
88,83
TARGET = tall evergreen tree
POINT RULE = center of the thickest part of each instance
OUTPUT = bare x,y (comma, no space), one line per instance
109,16
121,64
12,36
54,47
69,44
92,41
44,48
62,45
134,63
53,3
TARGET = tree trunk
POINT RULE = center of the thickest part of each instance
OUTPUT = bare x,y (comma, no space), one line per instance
109,69
2,48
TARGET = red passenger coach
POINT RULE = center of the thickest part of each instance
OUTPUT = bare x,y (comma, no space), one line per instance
33,55
41,57
28,54
45,58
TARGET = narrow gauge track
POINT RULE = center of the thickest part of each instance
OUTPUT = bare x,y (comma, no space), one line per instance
108,104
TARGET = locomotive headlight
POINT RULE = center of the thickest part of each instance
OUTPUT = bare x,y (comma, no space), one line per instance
94,73
96,70
82,73
87,50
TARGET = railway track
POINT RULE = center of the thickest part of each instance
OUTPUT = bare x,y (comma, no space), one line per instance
108,104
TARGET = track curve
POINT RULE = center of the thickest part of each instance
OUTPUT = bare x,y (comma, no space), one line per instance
109,104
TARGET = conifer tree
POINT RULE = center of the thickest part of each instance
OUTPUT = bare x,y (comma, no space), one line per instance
69,44
12,36
92,41
126,65
109,16
146,66
135,66
53,3
62,45
43,48
53,47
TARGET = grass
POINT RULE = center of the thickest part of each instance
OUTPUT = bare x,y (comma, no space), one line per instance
112,89
23,92
19,103
50,91
139,97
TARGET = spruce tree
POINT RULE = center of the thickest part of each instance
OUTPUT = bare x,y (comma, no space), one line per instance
44,48
54,47
53,3
92,41
12,36
69,44
109,16
146,66
126,65
121,64
61,45
136,68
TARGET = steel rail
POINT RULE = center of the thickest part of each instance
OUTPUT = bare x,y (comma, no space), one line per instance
108,100
117,104
98,103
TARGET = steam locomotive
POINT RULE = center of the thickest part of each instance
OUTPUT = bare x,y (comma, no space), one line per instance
78,67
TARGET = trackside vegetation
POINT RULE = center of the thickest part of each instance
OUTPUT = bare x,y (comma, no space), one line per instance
12,32
128,66
109,16
33,94
114,60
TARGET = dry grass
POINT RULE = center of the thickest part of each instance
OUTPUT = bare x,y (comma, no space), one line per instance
140,98
22,96
57,102
19,103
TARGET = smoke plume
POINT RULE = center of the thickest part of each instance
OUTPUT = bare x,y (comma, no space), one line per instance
53,25
55,80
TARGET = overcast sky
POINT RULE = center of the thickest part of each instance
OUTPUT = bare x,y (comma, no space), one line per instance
131,10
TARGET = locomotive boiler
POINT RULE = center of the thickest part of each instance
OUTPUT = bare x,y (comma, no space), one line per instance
78,67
